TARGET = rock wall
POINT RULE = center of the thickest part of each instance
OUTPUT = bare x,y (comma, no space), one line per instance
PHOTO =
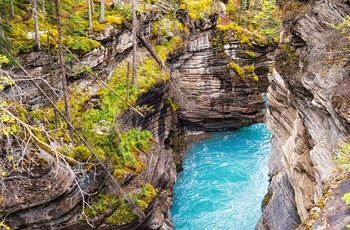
210,95
308,113
44,68
49,197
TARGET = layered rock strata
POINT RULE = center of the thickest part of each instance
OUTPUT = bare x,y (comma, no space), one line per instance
211,95
308,113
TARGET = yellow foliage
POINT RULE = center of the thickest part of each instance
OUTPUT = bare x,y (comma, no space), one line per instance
237,69
49,38
4,226
232,7
98,27
166,48
114,20
225,24
3,59
245,41
197,8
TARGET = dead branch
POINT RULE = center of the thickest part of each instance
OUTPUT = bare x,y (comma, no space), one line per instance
147,45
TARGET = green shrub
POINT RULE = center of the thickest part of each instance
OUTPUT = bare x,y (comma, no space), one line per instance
23,46
122,215
77,24
98,27
164,49
342,159
344,26
81,152
131,143
81,45
146,196
102,202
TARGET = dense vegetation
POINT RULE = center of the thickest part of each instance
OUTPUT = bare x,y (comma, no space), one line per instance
89,136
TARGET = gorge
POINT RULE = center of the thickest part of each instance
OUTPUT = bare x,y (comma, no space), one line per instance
223,181
218,75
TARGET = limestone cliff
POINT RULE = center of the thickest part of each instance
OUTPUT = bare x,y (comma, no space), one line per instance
308,117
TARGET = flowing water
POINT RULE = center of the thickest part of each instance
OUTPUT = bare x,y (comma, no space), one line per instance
223,182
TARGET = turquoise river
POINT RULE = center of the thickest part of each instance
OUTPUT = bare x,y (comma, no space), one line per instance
223,182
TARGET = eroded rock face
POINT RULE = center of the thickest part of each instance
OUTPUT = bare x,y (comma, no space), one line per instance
211,96
335,214
304,115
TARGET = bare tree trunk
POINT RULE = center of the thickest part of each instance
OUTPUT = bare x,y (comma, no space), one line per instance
2,34
36,24
12,11
102,12
89,16
43,6
147,45
134,42
92,7
63,70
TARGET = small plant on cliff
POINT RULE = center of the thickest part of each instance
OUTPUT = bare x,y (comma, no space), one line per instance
249,68
250,54
4,226
346,198
198,8
342,160
174,106
344,27
115,210
130,145
237,69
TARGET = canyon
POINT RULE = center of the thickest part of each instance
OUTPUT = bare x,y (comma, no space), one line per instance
308,116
